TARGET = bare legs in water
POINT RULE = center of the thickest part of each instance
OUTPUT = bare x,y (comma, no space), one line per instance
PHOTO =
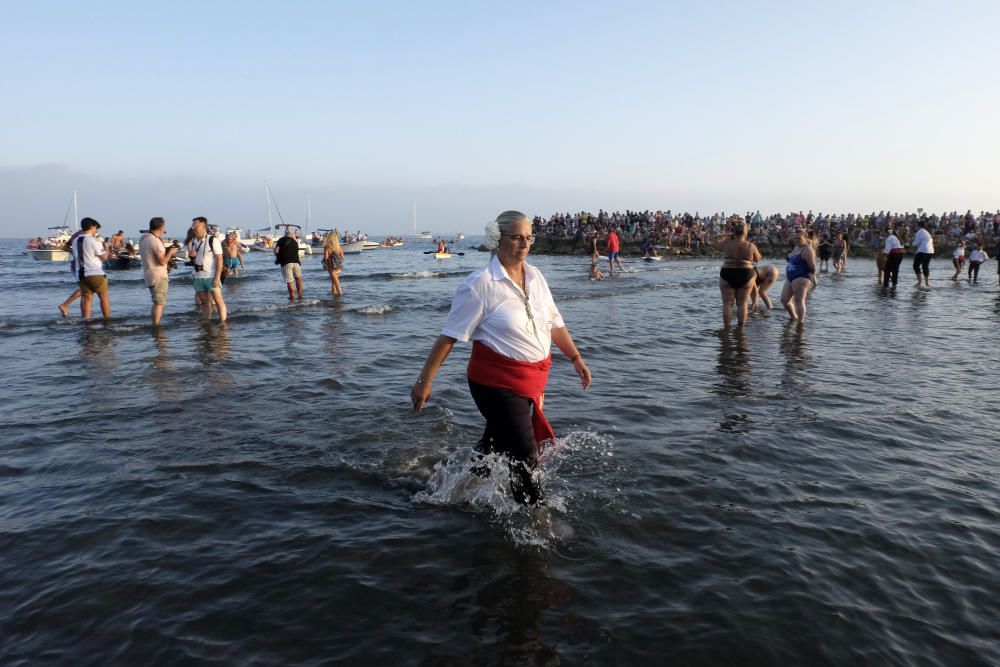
793,297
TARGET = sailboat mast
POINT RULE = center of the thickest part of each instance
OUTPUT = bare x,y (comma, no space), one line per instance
76,214
267,197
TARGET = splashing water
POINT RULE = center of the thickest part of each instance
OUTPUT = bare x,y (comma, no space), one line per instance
483,482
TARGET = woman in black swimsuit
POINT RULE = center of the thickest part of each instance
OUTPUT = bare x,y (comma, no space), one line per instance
737,277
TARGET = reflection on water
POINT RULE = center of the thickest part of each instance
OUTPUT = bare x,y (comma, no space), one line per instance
733,364
212,344
332,336
161,359
97,345
508,611
161,375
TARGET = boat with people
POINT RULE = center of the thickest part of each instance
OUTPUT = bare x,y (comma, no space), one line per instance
355,244
122,260
53,247
391,242
442,255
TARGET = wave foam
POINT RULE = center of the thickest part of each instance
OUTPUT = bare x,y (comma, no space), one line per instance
377,309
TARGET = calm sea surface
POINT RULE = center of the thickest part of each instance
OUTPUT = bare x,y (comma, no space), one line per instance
262,493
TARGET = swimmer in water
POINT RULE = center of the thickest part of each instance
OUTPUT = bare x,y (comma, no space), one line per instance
767,275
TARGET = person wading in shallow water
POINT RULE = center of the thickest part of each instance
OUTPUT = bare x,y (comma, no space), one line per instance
507,310
286,251
737,277
800,276
893,258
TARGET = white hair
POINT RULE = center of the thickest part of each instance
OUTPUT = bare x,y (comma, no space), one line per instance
503,225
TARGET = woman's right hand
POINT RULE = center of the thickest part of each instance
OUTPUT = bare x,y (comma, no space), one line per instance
419,394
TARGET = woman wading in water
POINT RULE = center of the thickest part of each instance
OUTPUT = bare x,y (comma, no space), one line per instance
333,260
737,277
507,311
800,275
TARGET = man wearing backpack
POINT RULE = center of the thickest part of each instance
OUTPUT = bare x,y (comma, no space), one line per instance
207,270
89,254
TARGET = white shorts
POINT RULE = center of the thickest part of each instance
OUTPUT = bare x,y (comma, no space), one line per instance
291,272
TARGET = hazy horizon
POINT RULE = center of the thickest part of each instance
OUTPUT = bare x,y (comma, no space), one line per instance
188,109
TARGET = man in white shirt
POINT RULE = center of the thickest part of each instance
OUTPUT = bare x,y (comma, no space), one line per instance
207,270
924,245
89,254
155,259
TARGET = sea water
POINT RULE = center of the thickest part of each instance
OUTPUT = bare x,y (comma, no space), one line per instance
262,493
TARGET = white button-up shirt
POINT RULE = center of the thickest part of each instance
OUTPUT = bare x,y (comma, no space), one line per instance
489,307
923,241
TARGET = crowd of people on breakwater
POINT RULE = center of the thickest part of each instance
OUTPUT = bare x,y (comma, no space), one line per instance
694,231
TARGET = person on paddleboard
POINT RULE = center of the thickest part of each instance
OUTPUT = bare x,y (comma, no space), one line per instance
506,309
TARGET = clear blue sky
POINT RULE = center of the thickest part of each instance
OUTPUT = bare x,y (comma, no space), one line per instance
473,107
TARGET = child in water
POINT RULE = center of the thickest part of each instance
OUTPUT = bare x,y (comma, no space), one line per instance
595,273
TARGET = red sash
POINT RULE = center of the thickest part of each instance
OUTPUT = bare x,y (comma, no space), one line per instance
524,378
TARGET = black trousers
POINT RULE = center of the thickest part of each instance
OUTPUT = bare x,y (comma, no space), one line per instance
892,262
922,263
509,432
974,270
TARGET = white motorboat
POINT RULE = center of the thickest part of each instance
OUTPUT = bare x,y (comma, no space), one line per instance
52,247
370,245
460,236
354,248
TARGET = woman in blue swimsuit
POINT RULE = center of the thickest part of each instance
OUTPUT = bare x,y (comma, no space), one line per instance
800,275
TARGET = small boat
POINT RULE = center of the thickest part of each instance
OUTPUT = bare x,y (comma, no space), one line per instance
354,248
460,236
370,245
122,261
442,255
425,235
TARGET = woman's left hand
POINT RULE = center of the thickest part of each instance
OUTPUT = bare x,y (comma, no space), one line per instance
580,366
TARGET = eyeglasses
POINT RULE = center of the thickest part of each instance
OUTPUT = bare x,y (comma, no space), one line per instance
520,238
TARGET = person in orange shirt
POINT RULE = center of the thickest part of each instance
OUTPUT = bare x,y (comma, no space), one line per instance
613,246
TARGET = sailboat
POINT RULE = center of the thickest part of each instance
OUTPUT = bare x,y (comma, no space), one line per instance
304,247
51,249
421,235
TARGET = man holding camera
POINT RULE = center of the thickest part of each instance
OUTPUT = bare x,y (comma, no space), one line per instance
155,260
207,270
